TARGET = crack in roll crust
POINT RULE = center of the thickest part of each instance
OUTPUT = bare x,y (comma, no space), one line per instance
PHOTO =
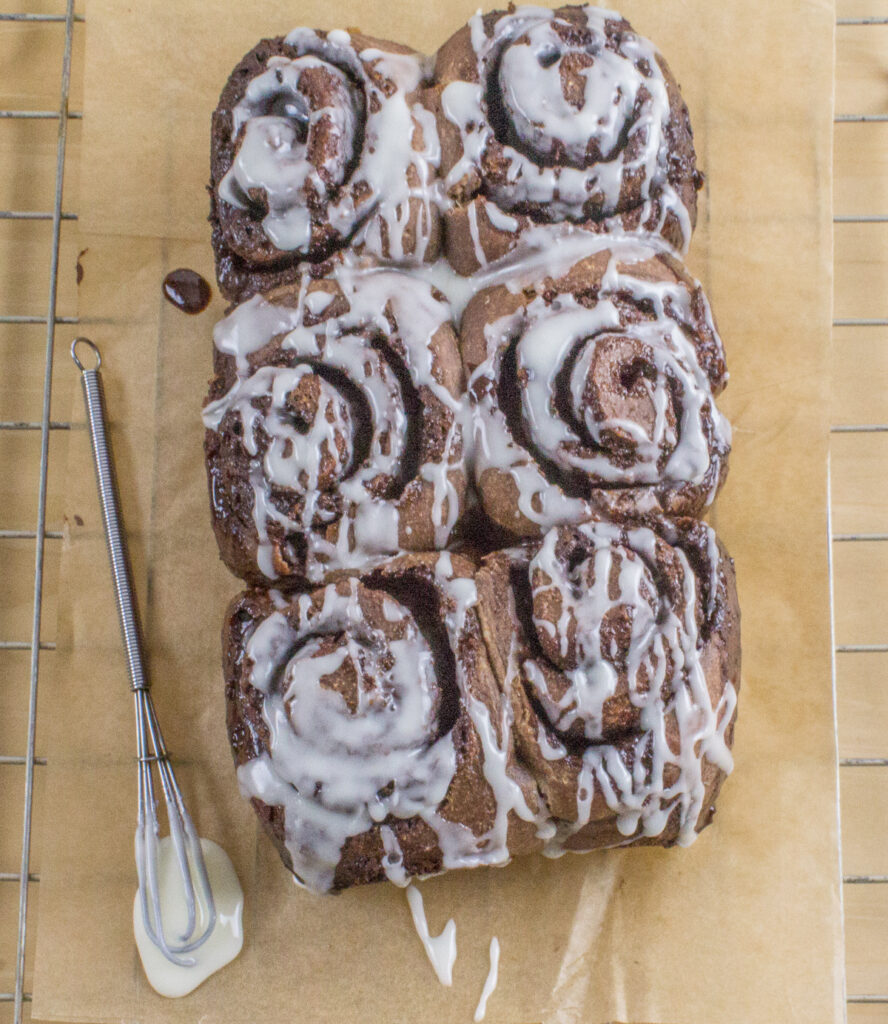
320,141
594,393
334,426
368,729
564,117
619,647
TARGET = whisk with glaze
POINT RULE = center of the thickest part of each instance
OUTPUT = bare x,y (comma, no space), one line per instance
152,752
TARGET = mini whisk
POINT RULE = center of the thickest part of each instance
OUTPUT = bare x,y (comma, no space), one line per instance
152,751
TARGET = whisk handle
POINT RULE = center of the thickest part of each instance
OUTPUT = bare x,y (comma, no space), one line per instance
94,398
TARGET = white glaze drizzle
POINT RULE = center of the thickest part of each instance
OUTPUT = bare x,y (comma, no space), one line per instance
489,982
440,949
690,451
293,459
327,768
393,183
334,770
393,858
251,326
547,250
662,635
460,846
625,105
271,157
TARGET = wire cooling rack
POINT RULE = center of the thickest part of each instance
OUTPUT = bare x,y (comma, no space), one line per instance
858,516
868,916
26,761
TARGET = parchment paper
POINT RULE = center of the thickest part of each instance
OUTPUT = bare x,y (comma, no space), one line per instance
744,926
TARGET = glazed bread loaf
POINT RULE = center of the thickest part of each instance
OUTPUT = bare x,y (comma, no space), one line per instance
369,730
460,433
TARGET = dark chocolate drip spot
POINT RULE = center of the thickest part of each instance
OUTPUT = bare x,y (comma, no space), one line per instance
186,290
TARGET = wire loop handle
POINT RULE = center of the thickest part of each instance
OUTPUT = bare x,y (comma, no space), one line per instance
149,739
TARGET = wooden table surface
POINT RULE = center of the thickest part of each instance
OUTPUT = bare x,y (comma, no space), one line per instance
30,65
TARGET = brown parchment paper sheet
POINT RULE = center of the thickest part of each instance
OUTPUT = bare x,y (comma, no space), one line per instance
744,926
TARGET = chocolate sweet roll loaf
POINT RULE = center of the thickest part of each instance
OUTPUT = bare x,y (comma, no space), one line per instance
319,141
564,117
594,392
368,729
619,647
429,671
334,426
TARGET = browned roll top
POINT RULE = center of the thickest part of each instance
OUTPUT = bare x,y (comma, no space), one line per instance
564,117
481,621
361,715
594,392
319,142
619,647
334,426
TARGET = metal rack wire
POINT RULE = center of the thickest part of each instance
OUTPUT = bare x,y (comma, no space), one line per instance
855,998
24,876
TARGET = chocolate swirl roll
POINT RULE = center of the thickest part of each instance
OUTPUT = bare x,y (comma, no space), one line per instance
620,648
334,426
594,392
368,730
318,142
564,117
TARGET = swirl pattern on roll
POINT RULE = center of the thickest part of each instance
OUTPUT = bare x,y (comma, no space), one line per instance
595,392
368,729
319,141
334,426
564,117
619,646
